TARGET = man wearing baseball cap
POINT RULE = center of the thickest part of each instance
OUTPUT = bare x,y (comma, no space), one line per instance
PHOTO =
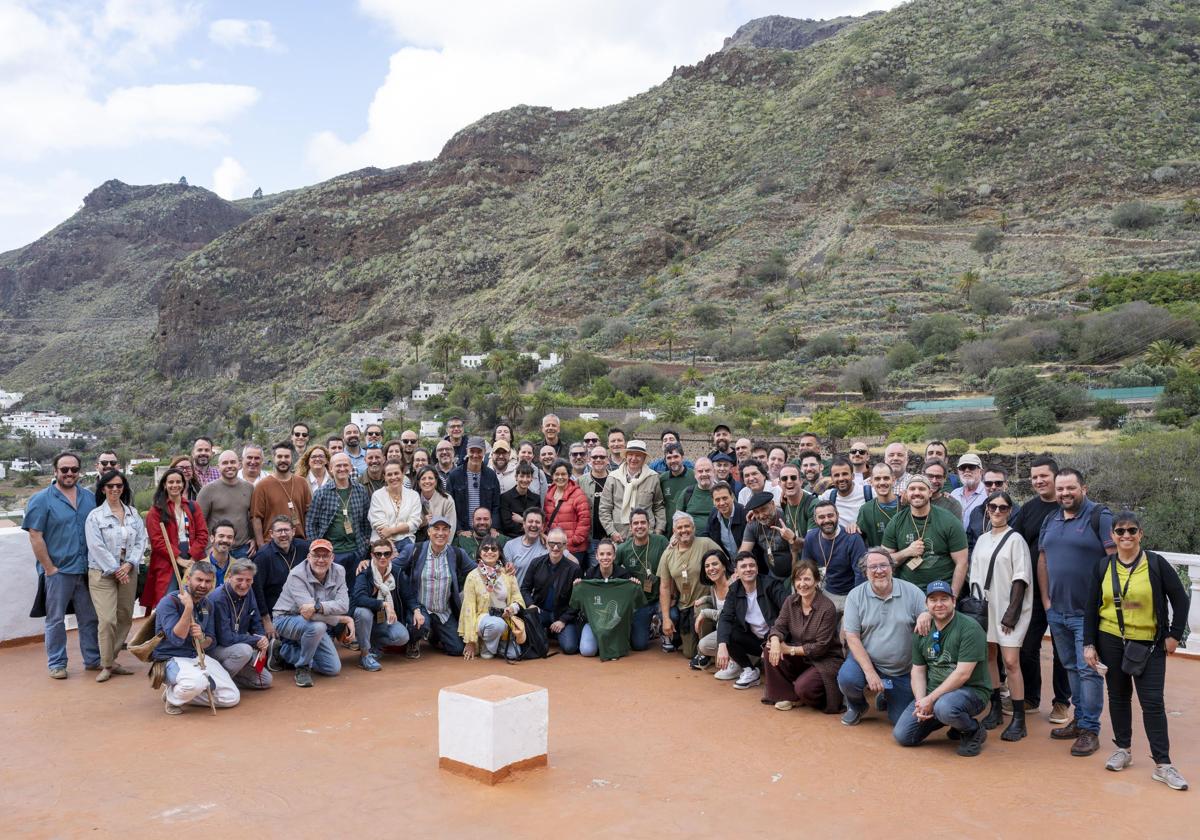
314,603
722,438
502,464
972,493
473,486
950,681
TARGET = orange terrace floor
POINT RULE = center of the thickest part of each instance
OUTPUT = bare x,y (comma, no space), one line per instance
639,747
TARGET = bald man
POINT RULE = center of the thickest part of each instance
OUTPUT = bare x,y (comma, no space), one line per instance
229,498
896,457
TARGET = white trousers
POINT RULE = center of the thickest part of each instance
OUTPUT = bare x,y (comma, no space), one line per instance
186,683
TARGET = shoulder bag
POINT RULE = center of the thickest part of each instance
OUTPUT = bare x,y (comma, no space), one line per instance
1137,654
975,605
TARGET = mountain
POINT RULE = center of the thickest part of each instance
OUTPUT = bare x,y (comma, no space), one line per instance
842,186
785,33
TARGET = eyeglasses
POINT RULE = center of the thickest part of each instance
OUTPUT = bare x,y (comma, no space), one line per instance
1132,531
68,470
599,457
859,451
879,567
381,554
489,549
967,468
578,454
374,434
789,478
555,544
999,508
300,434
115,486
407,442
592,441
108,463
999,483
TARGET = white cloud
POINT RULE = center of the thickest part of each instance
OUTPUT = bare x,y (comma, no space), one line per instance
235,32
466,58
230,179
57,85
32,206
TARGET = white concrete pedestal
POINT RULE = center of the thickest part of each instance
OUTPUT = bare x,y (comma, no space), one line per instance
492,726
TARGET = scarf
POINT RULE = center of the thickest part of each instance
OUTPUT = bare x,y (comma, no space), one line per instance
489,575
384,586
630,487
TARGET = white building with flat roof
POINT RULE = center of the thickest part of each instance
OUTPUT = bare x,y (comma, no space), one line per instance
42,424
425,390
473,361
362,419
704,403
430,428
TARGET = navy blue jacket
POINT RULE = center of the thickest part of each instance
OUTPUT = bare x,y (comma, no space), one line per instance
224,603
737,526
489,495
403,601
413,564
273,567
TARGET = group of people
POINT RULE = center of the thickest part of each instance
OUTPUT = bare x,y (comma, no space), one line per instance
832,582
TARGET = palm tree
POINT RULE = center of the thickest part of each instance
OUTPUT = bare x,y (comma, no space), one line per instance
444,345
691,376
416,337
967,281
1191,211
541,401
495,363
1164,352
511,403
631,340
670,336
1193,359
940,195
343,398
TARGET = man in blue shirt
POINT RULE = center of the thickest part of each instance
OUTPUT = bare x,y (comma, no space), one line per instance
183,617
835,552
1073,543
54,519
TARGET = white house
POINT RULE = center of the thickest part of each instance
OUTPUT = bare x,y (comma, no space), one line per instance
543,363
588,415
471,361
362,419
647,414
425,390
10,398
43,424
704,403
430,428
23,466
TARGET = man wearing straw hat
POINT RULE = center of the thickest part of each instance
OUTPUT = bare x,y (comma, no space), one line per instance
186,621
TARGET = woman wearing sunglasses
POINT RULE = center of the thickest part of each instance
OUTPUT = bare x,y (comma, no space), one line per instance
116,540
1002,573
1145,583
490,598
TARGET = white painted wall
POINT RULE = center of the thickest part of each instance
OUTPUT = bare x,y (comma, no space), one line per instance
492,734
20,586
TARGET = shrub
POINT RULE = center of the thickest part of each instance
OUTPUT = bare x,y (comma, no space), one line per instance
1161,287
632,378
776,343
936,334
986,240
968,425
581,369
902,354
987,445
614,333
1135,215
708,315
591,325
1182,393
1110,412
957,446
825,344
1033,421
865,376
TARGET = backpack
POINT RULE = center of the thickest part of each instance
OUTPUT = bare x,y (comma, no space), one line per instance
832,495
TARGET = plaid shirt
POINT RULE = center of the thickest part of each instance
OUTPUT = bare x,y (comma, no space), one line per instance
206,475
326,505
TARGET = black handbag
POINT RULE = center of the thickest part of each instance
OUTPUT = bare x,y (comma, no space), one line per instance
1137,654
975,605
537,642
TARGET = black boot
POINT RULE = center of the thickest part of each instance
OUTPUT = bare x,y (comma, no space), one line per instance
1016,727
995,715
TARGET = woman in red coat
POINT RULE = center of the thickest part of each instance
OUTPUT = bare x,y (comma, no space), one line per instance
567,507
186,531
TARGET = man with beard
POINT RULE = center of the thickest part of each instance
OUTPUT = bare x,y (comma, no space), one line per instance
182,617
675,479
722,439
896,457
274,562
928,543
1074,541
372,476
696,501
503,466
280,494
444,463
1028,523
795,503
312,605
848,496
631,486
339,515
592,485
874,516
473,486
481,526
457,437
835,552
970,494
935,472
811,471
240,635
203,470
352,437
768,538
726,525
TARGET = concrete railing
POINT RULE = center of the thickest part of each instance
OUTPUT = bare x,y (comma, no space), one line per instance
1191,562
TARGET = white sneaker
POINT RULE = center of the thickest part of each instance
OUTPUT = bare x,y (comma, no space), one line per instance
730,672
1169,776
1119,760
749,678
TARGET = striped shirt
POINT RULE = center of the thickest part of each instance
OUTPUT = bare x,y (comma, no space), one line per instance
435,585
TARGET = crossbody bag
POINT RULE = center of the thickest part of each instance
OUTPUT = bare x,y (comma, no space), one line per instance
1137,654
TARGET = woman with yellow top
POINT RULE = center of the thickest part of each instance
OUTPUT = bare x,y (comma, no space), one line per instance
1131,591
490,598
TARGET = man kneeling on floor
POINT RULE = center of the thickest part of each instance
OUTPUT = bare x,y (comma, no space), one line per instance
383,601
950,681
313,603
751,607
181,617
240,636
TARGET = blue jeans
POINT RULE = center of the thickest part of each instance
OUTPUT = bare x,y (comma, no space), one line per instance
568,637
61,588
955,708
444,635
348,560
1087,687
853,682
306,644
639,630
372,636
587,642
241,552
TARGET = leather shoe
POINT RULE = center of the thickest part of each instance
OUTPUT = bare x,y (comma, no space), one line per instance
1086,744
1066,733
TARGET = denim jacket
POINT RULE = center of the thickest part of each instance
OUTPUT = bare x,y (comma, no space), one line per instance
106,536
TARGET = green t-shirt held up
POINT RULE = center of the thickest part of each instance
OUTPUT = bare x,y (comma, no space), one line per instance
609,606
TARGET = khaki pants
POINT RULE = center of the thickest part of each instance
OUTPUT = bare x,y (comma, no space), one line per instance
114,610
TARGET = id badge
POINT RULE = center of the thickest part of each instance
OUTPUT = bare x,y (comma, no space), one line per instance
346,526
291,505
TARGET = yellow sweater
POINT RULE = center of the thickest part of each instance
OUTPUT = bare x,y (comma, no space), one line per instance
476,601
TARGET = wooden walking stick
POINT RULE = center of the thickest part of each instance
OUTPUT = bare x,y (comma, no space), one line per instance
212,686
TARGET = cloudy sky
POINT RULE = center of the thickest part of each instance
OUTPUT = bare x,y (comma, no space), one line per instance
282,93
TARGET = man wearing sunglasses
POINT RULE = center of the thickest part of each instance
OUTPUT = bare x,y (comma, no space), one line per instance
107,460
950,681
860,462
971,494
995,479
55,519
